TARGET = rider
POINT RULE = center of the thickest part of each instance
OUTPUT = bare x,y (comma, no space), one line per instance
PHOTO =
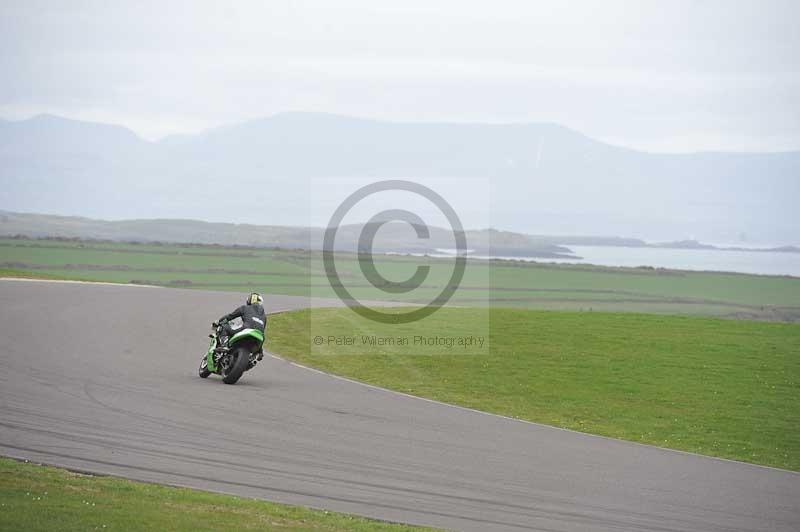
252,315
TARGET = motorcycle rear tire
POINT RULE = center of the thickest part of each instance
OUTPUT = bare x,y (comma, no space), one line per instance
238,366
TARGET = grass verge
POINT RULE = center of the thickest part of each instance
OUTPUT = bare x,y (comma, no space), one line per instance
35,497
717,387
22,274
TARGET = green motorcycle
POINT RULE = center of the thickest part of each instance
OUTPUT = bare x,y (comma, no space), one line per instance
233,356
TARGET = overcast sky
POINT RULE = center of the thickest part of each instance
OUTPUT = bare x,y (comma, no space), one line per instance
661,76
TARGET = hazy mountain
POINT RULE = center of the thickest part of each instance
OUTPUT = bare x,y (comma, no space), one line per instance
531,178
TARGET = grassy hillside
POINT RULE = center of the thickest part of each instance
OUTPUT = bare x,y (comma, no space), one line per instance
499,283
392,236
717,387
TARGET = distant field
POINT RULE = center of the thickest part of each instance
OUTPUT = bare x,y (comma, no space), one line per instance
40,498
718,387
499,283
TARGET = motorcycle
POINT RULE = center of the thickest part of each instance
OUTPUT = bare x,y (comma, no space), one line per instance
231,357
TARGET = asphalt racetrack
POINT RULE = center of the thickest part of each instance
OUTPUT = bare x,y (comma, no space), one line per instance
103,378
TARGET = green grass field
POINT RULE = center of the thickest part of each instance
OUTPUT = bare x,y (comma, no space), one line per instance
495,283
40,498
718,387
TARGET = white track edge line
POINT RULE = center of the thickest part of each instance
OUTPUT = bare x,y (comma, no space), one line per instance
535,424
73,281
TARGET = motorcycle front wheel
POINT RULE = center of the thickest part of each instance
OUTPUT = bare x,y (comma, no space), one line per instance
203,371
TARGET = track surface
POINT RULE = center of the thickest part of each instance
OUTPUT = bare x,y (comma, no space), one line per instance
103,378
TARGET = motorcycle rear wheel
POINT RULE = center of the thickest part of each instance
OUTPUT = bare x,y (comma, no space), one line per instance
234,370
